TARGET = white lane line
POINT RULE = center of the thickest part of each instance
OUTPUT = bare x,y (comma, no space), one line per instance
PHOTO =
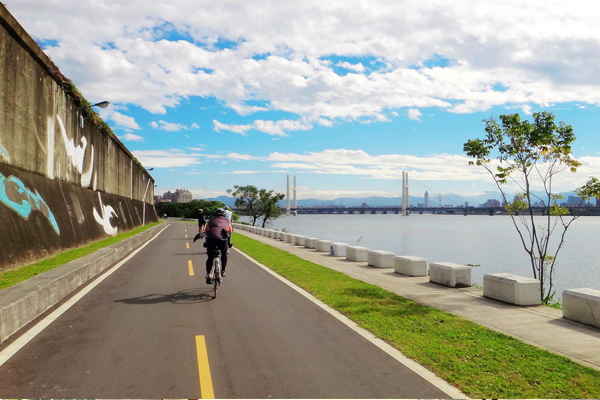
18,344
417,368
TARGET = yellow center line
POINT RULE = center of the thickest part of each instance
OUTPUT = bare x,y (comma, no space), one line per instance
191,269
186,235
206,387
187,245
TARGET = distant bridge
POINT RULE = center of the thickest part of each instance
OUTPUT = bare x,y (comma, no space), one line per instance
581,211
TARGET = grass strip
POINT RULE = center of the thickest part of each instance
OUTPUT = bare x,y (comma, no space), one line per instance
480,362
11,278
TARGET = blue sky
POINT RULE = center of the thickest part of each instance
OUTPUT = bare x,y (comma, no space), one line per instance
343,95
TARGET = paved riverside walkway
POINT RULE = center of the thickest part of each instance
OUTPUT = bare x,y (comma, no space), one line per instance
540,326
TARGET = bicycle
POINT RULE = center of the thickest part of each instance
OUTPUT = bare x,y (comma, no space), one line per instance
215,272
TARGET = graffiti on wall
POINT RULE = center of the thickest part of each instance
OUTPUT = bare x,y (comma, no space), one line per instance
77,155
4,156
103,218
23,201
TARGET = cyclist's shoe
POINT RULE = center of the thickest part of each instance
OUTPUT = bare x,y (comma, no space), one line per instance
223,273
208,279
230,245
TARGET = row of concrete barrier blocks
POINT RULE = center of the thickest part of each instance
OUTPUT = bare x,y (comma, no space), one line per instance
443,273
581,305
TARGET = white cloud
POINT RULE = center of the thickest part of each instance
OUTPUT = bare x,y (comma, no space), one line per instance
165,159
130,137
352,67
122,121
516,53
415,114
277,128
172,126
241,129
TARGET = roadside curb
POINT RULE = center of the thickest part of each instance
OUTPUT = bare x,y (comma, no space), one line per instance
22,303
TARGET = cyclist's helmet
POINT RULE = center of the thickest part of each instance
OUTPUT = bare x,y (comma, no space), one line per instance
220,212
227,207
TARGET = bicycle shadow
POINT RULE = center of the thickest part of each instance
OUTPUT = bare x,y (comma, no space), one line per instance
188,296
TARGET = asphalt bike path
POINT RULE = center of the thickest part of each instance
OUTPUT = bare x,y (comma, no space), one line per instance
151,329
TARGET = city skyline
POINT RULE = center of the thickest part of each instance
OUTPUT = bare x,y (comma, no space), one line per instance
227,94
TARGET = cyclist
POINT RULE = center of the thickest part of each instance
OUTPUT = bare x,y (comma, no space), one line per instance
218,232
229,216
201,220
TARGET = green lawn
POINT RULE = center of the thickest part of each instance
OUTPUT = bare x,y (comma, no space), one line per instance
480,362
11,278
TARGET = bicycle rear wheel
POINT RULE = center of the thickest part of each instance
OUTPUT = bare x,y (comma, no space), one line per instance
217,277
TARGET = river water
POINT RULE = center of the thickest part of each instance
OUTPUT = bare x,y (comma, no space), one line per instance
491,242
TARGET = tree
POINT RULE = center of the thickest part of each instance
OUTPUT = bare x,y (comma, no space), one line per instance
257,203
531,155
189,209
268,201
247,198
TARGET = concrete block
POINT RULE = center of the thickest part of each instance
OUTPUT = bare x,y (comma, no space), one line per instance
300,239
450,274
380,259
323,245
338,249
271,234
292,238
310,243
276,235
284,236
357,253
410,265
582,305
513,289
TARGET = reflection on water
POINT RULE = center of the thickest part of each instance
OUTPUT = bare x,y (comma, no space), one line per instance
476,239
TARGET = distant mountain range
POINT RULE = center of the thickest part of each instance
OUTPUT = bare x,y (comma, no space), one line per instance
434,201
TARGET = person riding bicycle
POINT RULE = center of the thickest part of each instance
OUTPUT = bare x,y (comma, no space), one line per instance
229,216
201,220
218,232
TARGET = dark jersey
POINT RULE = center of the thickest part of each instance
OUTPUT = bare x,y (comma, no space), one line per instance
217,228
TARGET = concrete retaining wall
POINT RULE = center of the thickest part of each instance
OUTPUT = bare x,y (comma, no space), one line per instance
63,182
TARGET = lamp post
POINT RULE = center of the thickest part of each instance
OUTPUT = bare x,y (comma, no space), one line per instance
144,200
102,104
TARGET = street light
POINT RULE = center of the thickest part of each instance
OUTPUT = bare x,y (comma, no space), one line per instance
102,104
150,169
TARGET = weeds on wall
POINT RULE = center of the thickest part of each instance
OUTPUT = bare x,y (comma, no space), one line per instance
88,113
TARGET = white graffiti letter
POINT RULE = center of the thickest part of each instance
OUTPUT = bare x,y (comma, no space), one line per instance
4,154
104,218
76,153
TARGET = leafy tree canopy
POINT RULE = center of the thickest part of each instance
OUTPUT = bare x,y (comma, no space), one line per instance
257,203
529,154
190,209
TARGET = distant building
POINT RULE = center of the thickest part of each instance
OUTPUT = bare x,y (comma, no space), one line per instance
179,196
426,199
491,203
466,204
575,201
